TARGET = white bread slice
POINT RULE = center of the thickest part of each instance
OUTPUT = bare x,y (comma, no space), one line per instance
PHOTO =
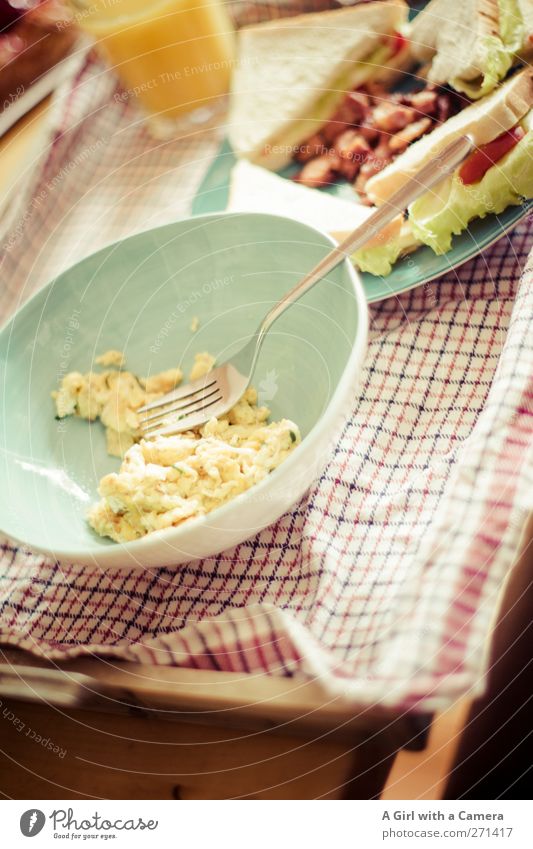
253,189
451,35
285,66
484,120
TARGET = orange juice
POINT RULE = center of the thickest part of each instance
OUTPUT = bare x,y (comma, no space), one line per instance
174,55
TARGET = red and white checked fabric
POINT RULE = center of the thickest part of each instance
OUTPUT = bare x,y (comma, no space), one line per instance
383,582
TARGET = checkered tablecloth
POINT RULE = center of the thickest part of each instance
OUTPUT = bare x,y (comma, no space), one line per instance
384,581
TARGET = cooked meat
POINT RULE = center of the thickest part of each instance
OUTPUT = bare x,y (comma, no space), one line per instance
341,119
369,132
400,140
320,171
313,147
351,145
352,149
391,117
359,103
425,101
444,108
376,161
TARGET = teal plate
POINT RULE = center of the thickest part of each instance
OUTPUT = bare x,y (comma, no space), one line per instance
416,269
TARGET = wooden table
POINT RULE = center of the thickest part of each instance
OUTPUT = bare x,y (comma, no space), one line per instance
98,728
131,731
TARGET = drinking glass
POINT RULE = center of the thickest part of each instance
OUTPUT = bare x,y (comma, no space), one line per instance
174,56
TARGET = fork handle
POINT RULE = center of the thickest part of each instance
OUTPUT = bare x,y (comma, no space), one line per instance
428,176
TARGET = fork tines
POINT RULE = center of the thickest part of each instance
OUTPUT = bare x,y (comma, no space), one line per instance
180,404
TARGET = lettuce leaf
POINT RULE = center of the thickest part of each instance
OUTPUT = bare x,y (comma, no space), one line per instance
511,25
435,218
497,61
378,259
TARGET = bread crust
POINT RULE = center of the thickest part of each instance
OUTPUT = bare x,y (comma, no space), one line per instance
318,18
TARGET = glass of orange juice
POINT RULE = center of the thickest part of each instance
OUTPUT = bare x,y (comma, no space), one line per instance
175,56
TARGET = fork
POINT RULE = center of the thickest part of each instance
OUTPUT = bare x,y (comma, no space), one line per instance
195,403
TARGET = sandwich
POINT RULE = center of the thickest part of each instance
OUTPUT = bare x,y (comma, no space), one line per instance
293,74
472,44
498,174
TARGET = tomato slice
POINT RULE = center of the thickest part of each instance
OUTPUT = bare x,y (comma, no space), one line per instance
397,42
478,163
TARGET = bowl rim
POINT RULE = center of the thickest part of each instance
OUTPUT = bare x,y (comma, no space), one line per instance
104,555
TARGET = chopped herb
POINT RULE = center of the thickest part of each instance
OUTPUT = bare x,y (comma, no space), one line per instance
292,435
178,469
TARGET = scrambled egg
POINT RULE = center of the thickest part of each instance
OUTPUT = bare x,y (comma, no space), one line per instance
203,363
114,396
111,358
167,480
